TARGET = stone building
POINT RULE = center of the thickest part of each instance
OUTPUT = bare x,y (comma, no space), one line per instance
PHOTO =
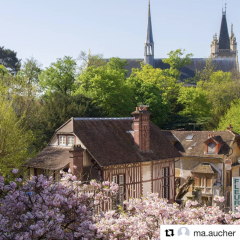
224,52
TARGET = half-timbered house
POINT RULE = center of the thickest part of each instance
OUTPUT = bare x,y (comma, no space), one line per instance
132,152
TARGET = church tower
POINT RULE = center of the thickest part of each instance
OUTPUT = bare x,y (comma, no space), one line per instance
225,47
149,44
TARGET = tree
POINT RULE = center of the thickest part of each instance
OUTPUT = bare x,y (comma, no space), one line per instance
221,90
107,87
60,76
29,74
15,139
231,117
157,88
194,101
89,60
58,108
177,61
43,209
9,59
183,189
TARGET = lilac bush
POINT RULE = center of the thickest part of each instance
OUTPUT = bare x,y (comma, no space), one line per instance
44,209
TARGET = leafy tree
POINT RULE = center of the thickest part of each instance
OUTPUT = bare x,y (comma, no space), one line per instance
231,117
58,108
89,60
29,74
205,74
15,139
60,76
107,87
221,90
194,101
9,59
177,61
150,87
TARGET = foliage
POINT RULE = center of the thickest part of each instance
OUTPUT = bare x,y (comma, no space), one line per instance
107,87
221,90
59,76
15,139
29,74
231,117
88,60
206,73
177,61
148,86
9,59
194,101
43,209
57,108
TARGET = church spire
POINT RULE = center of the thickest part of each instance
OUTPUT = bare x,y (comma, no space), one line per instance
149,44
224,42
149,38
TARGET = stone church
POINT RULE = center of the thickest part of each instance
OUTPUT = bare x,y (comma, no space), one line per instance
224,52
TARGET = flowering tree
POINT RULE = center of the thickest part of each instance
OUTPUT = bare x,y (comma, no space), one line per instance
43,209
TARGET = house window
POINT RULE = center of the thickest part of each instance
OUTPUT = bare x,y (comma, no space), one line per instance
166,182
62,140
70,140
211,148
119,179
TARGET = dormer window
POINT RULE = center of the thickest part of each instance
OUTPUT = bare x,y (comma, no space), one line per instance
62,140
211,148
70,140
66,140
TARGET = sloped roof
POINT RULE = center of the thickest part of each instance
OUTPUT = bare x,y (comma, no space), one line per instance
52,158
197,64
196,146
204,168
109,141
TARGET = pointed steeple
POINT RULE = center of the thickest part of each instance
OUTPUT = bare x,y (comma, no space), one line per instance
149,38
149,44
224,42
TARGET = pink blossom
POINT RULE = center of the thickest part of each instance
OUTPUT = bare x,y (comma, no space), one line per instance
15,171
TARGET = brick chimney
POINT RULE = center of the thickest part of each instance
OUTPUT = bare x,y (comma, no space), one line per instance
141,128
76,159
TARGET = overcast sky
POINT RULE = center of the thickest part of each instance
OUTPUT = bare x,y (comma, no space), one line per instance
51,29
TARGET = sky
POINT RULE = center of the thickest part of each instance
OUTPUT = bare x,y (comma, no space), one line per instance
51,29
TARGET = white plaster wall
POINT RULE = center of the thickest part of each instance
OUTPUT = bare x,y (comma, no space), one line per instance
146,187
146,176
146,172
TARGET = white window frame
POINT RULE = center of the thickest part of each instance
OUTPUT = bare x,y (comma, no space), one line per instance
61,138
70,137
